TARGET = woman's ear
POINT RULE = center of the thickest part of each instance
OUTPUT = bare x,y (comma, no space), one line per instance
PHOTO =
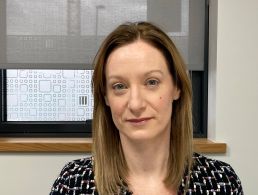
106,100
176,94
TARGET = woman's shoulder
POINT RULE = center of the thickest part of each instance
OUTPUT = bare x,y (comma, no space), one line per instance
76,166
76,177
210,175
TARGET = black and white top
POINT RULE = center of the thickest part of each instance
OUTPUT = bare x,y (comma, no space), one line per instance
211,177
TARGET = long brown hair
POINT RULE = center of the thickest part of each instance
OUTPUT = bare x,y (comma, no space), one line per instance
110,167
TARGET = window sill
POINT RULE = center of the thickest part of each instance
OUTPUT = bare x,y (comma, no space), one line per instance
84,145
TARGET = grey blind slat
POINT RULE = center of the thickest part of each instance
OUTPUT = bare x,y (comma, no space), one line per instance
65,34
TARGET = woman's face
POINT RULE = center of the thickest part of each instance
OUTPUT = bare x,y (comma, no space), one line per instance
140,91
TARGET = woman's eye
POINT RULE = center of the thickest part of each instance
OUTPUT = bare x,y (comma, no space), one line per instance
152,82
119,86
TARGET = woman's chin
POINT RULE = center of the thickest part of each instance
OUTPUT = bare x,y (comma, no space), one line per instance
139,136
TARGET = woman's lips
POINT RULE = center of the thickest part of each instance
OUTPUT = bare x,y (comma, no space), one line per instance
139,120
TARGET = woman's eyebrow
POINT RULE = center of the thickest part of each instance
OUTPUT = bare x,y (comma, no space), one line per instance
154,71
114,76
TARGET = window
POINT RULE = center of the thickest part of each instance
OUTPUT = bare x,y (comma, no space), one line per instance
47,47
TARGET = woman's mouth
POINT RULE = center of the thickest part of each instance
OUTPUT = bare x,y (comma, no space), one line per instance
138,121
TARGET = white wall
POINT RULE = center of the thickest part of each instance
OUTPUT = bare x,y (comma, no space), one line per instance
31,174
233,105
234,86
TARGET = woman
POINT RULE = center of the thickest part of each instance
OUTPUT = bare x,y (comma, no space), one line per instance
142,124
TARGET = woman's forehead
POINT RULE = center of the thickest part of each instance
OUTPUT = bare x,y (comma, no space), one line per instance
135,56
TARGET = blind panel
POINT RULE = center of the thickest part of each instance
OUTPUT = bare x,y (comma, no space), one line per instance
65,34
49,95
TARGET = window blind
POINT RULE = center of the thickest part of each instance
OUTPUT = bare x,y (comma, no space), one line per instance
65,34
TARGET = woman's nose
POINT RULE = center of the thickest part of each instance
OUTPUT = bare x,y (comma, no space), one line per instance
136,101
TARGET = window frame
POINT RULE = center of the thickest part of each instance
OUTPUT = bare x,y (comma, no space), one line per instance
83,128
38,128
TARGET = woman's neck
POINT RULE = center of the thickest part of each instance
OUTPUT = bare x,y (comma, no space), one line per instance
147,163
146,158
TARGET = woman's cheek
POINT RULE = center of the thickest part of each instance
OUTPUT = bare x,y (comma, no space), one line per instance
117,107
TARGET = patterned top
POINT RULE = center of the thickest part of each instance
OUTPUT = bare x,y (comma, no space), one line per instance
211,177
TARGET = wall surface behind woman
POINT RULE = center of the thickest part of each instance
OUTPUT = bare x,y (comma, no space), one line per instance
233,86
31,174
233,114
